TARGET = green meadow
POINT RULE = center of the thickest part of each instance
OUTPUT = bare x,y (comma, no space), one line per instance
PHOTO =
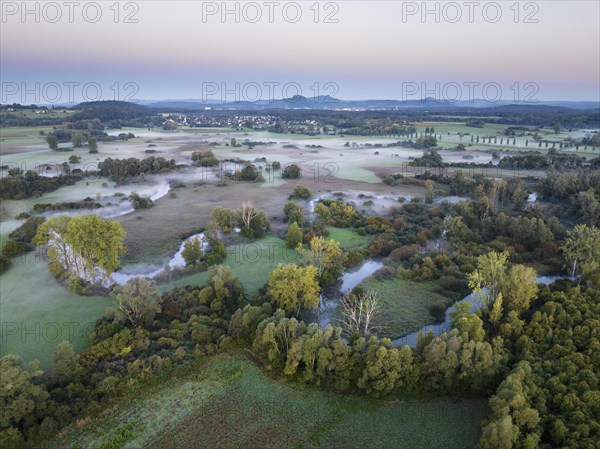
37,313
228,402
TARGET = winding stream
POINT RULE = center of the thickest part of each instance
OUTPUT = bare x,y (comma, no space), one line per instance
143,271
474,299
349,280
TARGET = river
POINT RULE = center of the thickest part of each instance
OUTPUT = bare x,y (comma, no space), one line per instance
144,271
350,279
437,329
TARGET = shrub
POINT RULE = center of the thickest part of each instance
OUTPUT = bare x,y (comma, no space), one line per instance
293,212
13,248
383,244
425,271
293,236
291,171
140,202
438,311
249,174
404,252
27,230
385,273
354,257
451,283
247,232
301,193
205,159
389,180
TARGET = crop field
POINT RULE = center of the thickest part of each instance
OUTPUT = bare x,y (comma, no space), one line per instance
229,402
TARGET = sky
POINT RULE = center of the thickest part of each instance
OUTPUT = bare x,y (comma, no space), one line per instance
54,52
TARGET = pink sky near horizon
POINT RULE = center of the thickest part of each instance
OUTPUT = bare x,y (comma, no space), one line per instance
369,53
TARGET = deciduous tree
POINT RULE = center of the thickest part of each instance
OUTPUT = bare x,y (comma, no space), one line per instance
64,362
582,249
293,288
93,145
360,313
429,185
293,236
87,245
137,302
519,288
52,141
20,396
490,274
325,256
192,251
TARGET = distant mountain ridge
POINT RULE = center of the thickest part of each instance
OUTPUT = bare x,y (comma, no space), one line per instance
123,109
327,102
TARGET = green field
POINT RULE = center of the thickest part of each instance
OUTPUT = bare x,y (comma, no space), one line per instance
251,261
37,313
348,238
405,304
230,403
25,135
491,130
357,174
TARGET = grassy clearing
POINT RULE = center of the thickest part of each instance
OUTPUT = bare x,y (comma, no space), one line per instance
405,304
251,261
348,238
229,403
37,312
357,174
26,135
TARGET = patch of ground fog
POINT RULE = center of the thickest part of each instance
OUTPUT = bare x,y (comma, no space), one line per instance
380,203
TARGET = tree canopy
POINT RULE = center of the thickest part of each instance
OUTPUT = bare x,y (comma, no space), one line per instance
293,288
86,245
137,302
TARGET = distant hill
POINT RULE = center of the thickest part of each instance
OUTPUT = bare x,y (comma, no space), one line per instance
110,110
327,102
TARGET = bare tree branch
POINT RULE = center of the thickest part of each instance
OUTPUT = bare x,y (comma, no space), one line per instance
361,313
